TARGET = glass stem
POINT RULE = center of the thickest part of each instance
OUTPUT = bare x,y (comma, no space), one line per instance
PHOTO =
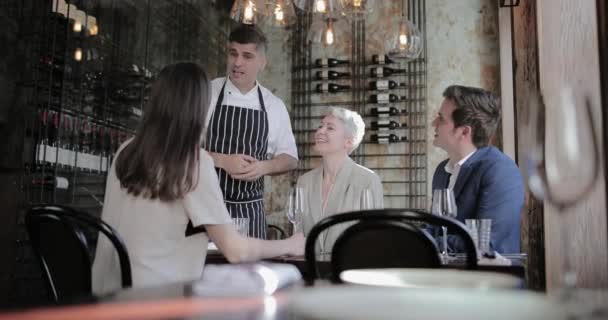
568,273
444,248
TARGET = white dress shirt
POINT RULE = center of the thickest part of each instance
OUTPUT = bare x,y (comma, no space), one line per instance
454,169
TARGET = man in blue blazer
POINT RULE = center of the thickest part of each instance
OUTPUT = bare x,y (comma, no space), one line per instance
486,183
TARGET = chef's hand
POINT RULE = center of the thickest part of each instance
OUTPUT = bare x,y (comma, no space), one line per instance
234,164
253,171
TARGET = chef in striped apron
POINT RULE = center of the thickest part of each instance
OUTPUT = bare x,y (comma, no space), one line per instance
248,130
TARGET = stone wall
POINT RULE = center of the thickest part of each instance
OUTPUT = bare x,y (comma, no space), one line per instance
462,48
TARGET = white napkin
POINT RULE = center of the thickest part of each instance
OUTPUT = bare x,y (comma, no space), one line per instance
498,260
245,279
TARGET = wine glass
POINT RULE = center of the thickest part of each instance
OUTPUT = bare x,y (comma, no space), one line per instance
444,204
367,200
562,158
295,206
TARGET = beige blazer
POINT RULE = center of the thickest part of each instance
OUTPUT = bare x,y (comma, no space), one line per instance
344,196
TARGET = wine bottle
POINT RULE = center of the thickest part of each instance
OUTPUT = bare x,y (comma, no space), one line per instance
383,98
331,87
51,182
379,72
331,74
387,111
384,138
387,125
382,59
384,85
330,62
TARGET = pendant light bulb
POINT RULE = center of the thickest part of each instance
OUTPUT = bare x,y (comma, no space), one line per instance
320,6
279,14
329,34
248,15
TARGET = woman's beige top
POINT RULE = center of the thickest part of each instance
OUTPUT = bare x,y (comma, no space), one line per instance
345,195
154,232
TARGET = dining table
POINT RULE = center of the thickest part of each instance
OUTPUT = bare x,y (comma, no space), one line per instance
325,301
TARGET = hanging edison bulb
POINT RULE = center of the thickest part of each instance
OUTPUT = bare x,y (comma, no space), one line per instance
326,31
92,25
404,42
317,6
247,11
282,11
357,8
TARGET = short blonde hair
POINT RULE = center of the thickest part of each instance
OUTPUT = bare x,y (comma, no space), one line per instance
353,124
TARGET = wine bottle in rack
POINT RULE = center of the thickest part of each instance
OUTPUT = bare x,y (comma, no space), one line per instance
331,75
385,138
383,85
382,59
331,87
50,181
387,111
386,124
379,72
330,62
384,98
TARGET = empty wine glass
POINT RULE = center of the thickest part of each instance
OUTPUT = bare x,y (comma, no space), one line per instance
444,204
295,206
556,145
367,199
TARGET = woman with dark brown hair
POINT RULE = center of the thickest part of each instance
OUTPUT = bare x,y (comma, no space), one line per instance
160,182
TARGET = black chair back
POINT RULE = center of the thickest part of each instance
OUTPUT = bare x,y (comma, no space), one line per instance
275,232
397,215
383,244
58,238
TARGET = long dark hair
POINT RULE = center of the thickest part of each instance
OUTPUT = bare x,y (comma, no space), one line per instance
162,159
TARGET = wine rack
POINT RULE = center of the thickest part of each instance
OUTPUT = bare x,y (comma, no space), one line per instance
390,96
84,95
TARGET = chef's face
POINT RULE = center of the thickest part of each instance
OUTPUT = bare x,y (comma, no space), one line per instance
244,63
331,137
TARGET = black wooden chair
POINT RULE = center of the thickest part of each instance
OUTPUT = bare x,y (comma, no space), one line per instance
58,238
384,238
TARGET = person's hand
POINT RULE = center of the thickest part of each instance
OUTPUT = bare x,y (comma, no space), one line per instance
252,171
236,164
296,244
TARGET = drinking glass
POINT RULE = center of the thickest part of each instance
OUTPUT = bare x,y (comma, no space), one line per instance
295,206
367,200
444,204
242,226
561,155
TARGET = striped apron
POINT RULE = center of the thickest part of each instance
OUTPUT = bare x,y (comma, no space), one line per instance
238,130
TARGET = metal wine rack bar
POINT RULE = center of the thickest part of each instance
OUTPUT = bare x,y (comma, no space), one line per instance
402,165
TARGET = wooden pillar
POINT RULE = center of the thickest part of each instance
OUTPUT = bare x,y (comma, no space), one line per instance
525,77
568,58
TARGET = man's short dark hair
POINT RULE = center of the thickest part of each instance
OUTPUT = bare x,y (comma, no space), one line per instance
246,33
477,108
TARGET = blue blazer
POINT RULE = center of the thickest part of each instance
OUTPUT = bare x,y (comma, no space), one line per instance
489,186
